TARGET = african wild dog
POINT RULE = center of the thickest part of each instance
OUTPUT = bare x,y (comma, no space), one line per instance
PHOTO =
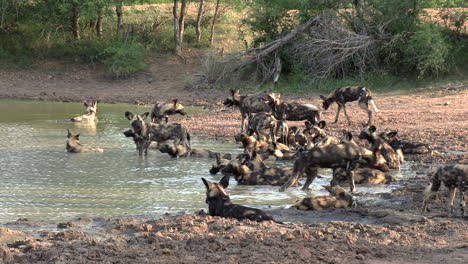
247,105
90,113
161,111
261,121
74,145
343,155
404,146
349,94
319,137
454,177
379,145
292,111
221,162
219,203
339,199
281,151
145,132
180,151
361,176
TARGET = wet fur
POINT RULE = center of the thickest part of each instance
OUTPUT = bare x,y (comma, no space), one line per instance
90,113
161,111
339,199
219,203
74,146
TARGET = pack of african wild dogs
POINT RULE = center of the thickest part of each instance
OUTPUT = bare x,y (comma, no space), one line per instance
265,135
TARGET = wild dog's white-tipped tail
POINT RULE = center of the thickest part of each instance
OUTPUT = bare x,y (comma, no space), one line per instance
427,191
427,194
373,105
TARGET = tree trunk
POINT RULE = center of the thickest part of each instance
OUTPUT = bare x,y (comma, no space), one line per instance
183,7
75,22
214,22
99,23
176,27
118,12
199,17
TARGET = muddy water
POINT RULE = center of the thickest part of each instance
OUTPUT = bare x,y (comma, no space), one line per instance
40,181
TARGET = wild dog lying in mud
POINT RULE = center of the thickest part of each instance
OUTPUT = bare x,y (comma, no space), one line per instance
454,177
219,203
339,199
360,176
380,146
405,147
332,156
144,132
319,137
90,113
247,105
349,94
74,145
180,151
162,110
292,111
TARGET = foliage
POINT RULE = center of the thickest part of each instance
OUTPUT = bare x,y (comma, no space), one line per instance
124,59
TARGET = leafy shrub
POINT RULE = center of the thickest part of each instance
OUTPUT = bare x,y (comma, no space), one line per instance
124,59
427,51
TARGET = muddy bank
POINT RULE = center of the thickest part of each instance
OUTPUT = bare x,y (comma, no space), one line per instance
205,239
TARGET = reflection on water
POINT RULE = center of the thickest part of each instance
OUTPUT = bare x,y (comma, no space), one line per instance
40,181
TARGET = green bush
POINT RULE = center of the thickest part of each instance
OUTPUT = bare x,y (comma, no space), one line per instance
124,59
427,51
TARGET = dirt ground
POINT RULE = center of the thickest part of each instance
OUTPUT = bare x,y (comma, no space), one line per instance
396,232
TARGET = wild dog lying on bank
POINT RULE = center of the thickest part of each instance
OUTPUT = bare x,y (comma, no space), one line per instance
247,105
74,145
163,110
347,94
90,113
404,146
144,132
380,146
360,176
180,151
292,111
454,177
339,199
219,203
332,156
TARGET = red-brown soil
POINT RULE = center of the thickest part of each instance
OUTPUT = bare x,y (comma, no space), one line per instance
394,233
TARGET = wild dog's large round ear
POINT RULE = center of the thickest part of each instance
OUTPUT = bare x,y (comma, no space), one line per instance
323,98
129,115
348,136
69,133
232,91
322,124
85,103
372,129
207,183
224,182
176,101
308,124
144,115
392,134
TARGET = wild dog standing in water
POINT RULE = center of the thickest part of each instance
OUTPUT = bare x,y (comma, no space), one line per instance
339,199
343,155
404,146
453,177
74,145
292,111
349,94
90,113
145,132
379,145
161,111
247,105
360,176
219,203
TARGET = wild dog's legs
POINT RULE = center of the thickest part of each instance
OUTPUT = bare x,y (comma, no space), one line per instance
346,114
298,171
463,189
243,125
364,105
453,193
337,113
311,175
166,118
